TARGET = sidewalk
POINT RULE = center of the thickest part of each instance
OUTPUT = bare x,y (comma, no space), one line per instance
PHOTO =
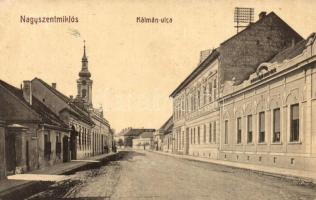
7,186
306,176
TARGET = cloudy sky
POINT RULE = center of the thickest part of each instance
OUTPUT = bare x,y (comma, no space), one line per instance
134,66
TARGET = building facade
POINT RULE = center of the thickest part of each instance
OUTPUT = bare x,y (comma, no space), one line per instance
91,132
144,141
196,108
34,137
268,119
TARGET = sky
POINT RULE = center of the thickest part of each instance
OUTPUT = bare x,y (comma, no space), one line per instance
134,66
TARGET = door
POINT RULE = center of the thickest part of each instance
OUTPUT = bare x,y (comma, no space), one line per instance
27,155
10,153
65,149
73,145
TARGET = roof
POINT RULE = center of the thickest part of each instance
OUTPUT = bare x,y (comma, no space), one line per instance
47,116
289,52
136,132
81,111
252,24
167,126
219,51
203,65
146,134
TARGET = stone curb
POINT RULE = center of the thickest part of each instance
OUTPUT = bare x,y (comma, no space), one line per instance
300,179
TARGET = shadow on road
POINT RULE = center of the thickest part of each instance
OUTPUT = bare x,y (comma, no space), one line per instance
51,190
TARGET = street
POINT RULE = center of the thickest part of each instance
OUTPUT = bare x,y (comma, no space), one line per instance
147,175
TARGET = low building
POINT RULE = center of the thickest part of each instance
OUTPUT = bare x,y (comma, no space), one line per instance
268,119
128,134
34,136
90,133
2,151
160,134
143,141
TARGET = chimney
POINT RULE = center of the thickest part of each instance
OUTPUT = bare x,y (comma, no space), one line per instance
262,14
27,91
54,85
293,42
204,54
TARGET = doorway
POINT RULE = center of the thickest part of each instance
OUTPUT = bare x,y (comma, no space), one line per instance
10,153
65,149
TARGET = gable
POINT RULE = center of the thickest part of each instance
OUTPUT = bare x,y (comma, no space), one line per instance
12,108
241,54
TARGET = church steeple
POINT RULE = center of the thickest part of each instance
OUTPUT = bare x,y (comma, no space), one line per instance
84,83
84,69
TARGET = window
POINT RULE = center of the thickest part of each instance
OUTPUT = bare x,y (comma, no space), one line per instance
194,134
191,135
215,88
210,133
226,132
204,133
182,139
47,146
198,99
204,95
214,132
276,125
295,123
210,91
84,92
198,134
58,145
238,130
249,128
192,102
261,127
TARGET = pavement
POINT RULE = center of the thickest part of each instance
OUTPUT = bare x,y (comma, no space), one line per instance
148,175
14,183
306,176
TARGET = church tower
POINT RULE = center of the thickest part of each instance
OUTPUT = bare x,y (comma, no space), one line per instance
84,83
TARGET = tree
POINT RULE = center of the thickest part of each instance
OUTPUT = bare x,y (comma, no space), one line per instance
120,142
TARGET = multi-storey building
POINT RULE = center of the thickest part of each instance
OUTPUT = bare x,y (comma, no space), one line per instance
195,101
268,119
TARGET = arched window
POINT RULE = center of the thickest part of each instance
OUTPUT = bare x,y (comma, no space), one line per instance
84,93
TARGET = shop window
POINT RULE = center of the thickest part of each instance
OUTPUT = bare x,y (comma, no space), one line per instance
261,127
249,129
276,125
295,123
